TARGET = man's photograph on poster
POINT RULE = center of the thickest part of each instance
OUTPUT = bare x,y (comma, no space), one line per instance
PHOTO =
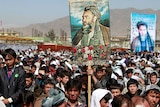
143,32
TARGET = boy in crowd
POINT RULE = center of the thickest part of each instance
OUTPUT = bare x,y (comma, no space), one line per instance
30,83
12,80
133,90
48,84
73,90
116,89
64,78
154,79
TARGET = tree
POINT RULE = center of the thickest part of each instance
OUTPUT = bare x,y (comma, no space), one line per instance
51,34
63,35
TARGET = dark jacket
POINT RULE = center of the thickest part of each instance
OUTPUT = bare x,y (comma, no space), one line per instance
129,95
14,87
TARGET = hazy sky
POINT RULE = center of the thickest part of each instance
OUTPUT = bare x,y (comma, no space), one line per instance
24,12
139,4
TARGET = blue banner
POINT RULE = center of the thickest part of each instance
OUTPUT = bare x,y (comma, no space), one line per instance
143,31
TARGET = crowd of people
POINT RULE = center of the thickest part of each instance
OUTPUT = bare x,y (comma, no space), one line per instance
32,78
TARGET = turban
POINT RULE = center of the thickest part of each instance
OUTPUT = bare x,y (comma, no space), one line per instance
94,10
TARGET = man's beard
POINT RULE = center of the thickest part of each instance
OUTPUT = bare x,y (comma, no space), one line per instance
87,27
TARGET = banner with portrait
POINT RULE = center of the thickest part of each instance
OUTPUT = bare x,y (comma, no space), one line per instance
143,31
89,21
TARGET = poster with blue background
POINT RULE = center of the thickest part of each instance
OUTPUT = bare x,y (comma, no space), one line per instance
76,13
143,32
90,28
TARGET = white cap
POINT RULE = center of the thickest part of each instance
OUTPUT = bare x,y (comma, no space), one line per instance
139,72
68,64
148,70
144,59
1,57
152,86
135,77
53,62
117,70
158,62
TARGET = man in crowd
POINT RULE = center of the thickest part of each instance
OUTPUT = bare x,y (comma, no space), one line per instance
152,95
12,80
73,90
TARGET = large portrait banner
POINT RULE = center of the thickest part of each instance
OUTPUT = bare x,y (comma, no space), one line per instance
143,32
89,21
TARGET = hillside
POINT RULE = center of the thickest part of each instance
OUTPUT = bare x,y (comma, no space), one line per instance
119,23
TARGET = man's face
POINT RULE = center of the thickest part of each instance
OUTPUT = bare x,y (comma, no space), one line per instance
47,87
115,92
99,74
73,94
41,73
126,55
28,82
143,63
129,75
132,88
65,79
87,18
142,30
153,79
33,69
9,60
58,79
153,98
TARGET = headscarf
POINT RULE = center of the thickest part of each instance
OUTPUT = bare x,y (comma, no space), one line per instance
2,104
97,95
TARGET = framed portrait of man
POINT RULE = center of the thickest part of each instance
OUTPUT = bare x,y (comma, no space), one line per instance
89,20
90,27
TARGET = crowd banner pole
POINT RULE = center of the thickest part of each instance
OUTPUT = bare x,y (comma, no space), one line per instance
89,84
89,78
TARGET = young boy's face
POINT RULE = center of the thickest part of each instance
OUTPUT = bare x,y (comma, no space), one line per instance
33,69
9,60
132,88
28,82
115,92
47,87
73,94
129,75
58,79
104,103
65,79
99,75
153,79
